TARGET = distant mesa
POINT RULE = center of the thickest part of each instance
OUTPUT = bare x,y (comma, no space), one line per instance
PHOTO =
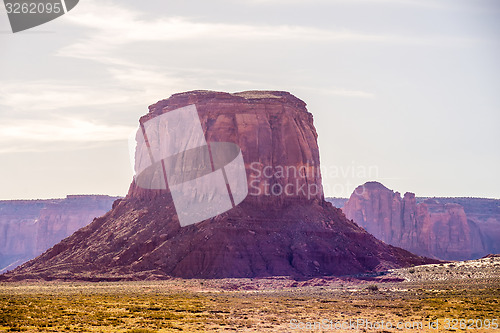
283,227
30,227
443,228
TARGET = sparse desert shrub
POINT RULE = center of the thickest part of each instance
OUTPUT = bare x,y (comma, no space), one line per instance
140,330
372,287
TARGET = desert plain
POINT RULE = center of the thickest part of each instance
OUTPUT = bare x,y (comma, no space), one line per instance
448,297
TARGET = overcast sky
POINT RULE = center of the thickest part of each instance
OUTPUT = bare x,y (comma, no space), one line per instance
406,92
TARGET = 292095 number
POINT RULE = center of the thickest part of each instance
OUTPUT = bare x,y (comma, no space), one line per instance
33,8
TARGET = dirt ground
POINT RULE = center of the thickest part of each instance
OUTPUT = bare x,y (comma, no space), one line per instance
454,297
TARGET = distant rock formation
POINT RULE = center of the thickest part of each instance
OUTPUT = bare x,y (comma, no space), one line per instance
435,227
283,227
337,202
30,227
483,215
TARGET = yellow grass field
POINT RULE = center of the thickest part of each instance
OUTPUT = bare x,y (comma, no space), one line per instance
166,307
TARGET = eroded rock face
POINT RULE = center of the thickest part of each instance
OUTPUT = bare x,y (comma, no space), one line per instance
483,215
274,131
430,228
295,233
448,230
30,227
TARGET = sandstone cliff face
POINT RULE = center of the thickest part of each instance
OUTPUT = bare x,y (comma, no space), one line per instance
294,233
483,216
273,129
430,228
30,227
17,219
446,230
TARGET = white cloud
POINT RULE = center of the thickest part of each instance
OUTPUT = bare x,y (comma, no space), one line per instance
111,28
114,25
31,135
44,95
345,92
69,129
339,92
432,4
128,85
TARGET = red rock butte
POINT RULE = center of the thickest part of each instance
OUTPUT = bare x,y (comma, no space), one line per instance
274,131
430,228
294,233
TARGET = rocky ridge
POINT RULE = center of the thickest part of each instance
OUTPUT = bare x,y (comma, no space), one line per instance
30,227
433,227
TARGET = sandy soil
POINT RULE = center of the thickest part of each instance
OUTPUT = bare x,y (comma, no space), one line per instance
436,294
